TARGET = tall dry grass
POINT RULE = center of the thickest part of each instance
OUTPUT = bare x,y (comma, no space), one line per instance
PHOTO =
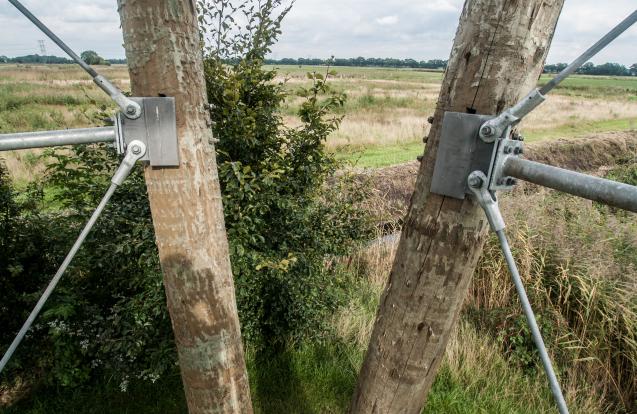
474,361
578,261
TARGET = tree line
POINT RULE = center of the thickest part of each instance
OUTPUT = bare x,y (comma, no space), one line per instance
89,56
607,69
363,62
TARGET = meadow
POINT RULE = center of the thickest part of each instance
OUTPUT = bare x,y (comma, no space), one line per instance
577,258
385,115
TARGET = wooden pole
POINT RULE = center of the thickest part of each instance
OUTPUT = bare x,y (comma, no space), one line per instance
497,57
164,56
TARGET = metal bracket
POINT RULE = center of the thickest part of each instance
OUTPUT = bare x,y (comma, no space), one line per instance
477,183
156,128
505,148
461,152
497,127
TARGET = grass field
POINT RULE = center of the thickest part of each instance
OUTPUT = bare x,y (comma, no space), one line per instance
574,255
385,113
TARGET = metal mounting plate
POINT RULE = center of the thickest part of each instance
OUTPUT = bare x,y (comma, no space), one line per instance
460,152
157,128
506,148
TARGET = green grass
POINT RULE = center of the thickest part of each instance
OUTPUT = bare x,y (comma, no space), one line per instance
595,86
582,128
317,378
382,156
394,74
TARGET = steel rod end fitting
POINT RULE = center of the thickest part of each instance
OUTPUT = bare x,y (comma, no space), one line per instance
474,180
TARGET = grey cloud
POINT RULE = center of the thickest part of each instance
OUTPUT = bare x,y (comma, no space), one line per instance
319,28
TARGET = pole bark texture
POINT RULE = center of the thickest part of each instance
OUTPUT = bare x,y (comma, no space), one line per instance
497,57
164,56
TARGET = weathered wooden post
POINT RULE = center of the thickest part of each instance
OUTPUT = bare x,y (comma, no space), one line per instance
164,55
497,57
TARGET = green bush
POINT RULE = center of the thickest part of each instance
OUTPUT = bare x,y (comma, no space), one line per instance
282,215
286,213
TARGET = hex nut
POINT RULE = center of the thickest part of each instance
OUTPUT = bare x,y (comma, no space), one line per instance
475,181
487,130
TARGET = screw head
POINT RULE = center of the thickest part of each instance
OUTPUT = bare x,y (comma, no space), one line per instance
487,130
474,181
130,110
136,149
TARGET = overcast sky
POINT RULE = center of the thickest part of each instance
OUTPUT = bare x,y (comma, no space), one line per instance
421,29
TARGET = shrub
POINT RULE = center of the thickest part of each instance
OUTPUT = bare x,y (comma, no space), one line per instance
286,213
285,209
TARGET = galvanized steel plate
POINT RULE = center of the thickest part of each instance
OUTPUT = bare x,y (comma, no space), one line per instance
157,128
460,152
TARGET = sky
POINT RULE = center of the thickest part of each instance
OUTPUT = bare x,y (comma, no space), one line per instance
418,29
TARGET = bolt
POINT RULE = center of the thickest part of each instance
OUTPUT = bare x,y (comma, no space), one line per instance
501,181
511,181
518,150
130,110
136,149
430,119
419,158
507,150
520,138
487,130
475,181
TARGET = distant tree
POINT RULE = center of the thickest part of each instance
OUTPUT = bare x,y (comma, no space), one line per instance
587,68
92,58
555,68
612,69
633,69
4,59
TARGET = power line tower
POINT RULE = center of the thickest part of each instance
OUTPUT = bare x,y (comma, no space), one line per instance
42,47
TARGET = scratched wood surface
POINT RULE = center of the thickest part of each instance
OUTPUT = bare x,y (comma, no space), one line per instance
164,56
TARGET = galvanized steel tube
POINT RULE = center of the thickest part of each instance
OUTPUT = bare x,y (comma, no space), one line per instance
25,140
609,192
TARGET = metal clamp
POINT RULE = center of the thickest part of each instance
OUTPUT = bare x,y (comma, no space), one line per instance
496,127
478,185
156,128
505,149
127,105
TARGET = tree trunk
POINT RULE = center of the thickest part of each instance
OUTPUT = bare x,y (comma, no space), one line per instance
164,55
497,57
